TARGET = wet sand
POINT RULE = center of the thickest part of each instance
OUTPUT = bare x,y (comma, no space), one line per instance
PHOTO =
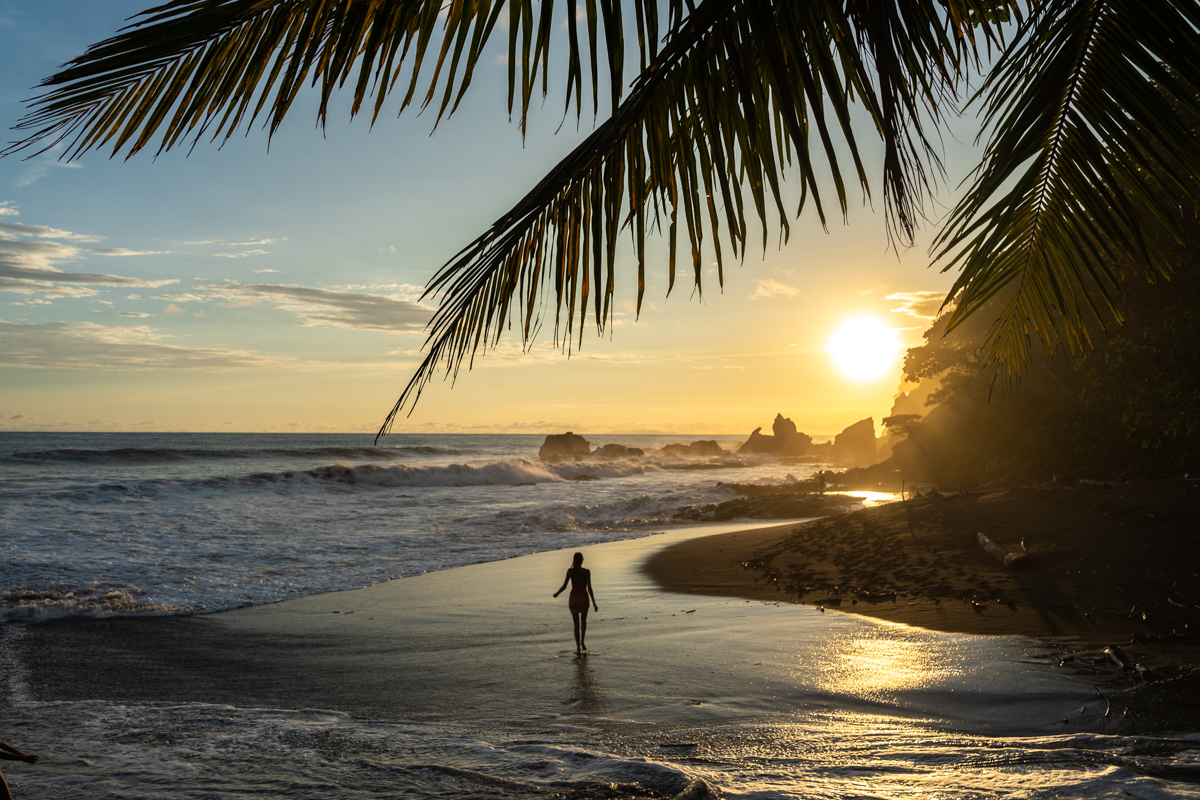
1108,564
488,642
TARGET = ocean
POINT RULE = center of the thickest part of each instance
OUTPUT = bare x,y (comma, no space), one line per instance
100,532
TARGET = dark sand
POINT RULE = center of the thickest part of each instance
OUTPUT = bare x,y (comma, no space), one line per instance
489,642
1111,564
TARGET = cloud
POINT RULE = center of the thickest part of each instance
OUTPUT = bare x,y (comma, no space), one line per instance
172,309
242,254
7,209
121,251
137,314
324,307
40,166
43,232
275,271
768,288
923,305
29,255
86,345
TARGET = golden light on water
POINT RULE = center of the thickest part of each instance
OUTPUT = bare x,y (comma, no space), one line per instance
864,349
875,666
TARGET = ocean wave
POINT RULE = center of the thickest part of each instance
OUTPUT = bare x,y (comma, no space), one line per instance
99,599
514,472
157,455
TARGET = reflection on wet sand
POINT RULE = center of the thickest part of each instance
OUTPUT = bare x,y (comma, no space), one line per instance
584,693
874,664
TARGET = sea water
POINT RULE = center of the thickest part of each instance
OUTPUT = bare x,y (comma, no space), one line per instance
97,525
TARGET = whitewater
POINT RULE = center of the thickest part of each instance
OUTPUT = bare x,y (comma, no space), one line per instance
108,523
114,543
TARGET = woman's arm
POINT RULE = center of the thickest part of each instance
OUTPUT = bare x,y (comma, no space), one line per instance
10,753
566,580
591,593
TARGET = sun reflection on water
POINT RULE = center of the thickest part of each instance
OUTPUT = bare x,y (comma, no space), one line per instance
879,663
869,499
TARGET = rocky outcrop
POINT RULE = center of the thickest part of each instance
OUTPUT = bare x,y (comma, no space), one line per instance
558,445
613,451
784,441
774,506
856,445
703,449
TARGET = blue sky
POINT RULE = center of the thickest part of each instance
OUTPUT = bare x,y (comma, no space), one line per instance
247,287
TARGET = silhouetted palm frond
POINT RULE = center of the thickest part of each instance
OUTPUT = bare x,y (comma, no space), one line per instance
742,90
1094,107
191,68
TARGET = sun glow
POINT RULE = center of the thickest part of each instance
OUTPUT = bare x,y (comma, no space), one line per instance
864,349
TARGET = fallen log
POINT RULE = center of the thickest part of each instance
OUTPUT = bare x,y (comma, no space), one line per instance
1010,560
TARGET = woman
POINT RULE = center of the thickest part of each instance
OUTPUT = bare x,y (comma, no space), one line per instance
581,590
8,753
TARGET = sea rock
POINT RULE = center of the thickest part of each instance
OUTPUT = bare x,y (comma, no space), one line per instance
856,445
701,449
784,441
611,451
564,444
775,506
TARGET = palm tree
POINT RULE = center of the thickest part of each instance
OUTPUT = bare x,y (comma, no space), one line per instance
1089,109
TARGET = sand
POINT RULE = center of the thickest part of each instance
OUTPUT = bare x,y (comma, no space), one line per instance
488,642
1110,564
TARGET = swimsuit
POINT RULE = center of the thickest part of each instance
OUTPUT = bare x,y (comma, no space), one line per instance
577,600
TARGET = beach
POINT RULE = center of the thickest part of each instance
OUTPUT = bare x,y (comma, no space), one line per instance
256,616
1106,564
465,682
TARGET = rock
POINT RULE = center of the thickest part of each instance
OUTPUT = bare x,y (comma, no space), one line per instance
611,451
564,444
702,449
777,506
856,445
785,441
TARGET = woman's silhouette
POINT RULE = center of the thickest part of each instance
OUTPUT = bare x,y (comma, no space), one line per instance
581,591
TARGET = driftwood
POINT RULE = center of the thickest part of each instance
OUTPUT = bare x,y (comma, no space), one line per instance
1010,560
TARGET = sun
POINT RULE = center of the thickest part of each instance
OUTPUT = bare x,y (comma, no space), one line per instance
864,349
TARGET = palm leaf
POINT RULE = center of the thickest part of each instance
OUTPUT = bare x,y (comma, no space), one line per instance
1094,109
192,68
746,88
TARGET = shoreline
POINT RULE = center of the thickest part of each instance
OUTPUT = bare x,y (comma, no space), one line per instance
1111,564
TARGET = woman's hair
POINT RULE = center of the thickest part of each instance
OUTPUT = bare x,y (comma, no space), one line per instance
577,560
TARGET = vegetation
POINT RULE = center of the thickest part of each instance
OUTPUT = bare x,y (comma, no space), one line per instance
1080,101
1127,409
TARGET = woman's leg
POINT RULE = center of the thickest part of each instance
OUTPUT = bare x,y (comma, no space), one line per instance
581,636
5,794
578,637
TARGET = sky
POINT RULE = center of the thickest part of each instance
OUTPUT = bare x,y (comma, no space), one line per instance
248,287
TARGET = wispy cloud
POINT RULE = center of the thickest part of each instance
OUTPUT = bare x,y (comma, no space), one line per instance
243,254
86,345
39,167
7,209
923,305
323,307
768,288
29,255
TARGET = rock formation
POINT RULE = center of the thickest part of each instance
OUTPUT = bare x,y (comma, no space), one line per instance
610,451
784,441
702,449
563,444
856,445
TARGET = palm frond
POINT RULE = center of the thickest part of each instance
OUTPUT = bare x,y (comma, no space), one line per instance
192,68
1093,108
741,90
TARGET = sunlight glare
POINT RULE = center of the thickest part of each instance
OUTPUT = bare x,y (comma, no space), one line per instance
864,349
